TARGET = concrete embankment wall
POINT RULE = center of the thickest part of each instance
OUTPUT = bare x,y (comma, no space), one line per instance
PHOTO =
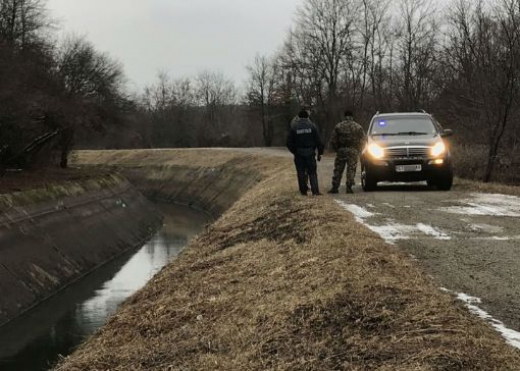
211,190
210,181
48,244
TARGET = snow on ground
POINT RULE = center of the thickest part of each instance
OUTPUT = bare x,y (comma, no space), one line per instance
512,337
486,228
392,231
359,212
478,204
434,232
486,204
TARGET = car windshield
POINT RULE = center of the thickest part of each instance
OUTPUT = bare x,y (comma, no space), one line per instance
403,126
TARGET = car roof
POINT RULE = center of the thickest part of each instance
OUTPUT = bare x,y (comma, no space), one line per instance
396,114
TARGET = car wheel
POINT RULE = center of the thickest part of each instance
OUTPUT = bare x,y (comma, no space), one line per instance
368,182
431,183
445,183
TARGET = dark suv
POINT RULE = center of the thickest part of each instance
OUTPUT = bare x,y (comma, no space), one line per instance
406,147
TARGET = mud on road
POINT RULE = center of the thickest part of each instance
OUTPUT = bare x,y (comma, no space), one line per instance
468,242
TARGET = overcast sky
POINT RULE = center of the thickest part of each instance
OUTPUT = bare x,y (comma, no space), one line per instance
182,37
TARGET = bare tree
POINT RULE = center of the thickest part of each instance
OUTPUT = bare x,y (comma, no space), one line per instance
417,52
484,55
216,94
374,13
322,44
21,21
93,83
87,72
262,93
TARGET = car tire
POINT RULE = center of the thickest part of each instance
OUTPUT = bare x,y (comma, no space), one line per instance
445,183
368,182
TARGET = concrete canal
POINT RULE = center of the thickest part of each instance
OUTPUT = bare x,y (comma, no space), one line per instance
56,327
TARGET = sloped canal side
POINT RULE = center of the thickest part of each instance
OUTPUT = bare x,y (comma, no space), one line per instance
36,340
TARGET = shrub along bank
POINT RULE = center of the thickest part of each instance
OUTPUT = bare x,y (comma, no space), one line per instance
283,282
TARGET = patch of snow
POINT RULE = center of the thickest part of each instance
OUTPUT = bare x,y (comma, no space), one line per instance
434,232
512,337
389,205
359,212
392,231
486,204
491,229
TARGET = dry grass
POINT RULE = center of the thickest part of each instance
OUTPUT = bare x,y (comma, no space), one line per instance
22,181
470,163
45,189
283,282
474,186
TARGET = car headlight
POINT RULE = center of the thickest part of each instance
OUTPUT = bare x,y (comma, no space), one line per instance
376,151
438,149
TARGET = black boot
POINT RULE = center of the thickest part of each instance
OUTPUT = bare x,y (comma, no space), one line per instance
349,189
333,191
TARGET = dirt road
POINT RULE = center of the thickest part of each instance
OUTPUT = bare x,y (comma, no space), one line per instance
468,242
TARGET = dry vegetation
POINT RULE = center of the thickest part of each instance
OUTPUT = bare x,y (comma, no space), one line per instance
282,282
31,188
475,186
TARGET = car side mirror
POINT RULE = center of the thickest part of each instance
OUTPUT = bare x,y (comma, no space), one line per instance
447,133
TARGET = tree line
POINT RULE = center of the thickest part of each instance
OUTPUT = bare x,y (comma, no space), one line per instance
51,92
461,63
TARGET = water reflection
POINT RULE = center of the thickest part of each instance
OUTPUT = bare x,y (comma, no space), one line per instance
35,341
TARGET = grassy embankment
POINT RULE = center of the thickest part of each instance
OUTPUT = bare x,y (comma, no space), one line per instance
25,189
283,282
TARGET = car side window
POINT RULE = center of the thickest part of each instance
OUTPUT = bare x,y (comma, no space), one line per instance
370,126
438,126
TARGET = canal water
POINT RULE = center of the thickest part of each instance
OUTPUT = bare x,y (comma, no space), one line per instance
55,328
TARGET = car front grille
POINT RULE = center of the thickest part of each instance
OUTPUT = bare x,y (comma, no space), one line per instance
407,152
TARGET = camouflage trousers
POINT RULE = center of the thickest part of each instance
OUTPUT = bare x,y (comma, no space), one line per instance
345,157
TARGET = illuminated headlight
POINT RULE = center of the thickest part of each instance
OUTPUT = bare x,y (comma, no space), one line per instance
376,151
438,149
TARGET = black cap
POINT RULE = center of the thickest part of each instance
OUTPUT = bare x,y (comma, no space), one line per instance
349,113
303,114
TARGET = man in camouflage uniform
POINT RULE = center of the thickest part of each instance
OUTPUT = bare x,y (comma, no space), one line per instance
347,141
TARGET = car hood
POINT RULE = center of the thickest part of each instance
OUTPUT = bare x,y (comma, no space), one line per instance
405,140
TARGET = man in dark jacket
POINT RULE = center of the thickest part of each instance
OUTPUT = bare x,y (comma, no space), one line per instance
303,141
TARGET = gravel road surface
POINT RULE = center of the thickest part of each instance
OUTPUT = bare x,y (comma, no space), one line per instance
468,242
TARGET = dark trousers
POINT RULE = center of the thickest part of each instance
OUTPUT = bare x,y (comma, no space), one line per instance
306,167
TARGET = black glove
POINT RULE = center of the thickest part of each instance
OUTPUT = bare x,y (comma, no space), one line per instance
319,158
